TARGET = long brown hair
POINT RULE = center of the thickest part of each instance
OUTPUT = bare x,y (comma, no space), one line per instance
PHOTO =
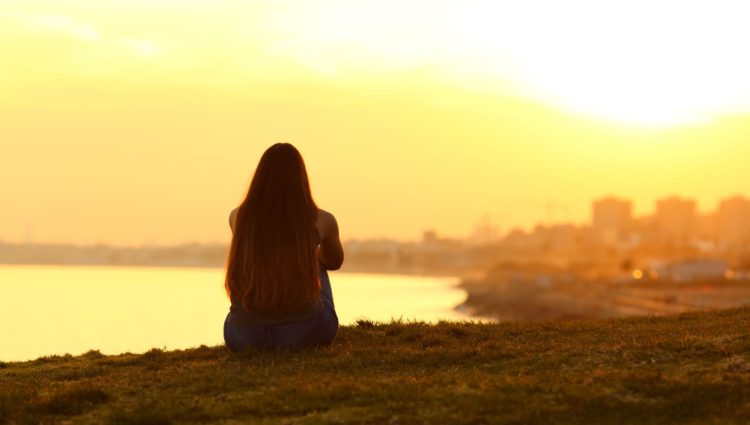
272,267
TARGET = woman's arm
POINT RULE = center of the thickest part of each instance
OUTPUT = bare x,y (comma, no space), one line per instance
330,252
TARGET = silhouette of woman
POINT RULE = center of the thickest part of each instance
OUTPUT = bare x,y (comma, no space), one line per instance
282,247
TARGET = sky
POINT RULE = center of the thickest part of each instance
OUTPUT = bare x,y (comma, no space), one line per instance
141,122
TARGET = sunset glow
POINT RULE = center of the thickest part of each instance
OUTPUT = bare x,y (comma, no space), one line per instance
141,121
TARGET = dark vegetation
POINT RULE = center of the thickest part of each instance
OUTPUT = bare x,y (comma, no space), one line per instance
687,368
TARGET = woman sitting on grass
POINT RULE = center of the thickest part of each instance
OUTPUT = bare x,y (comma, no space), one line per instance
282,245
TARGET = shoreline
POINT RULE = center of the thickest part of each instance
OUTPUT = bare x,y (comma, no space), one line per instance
530,301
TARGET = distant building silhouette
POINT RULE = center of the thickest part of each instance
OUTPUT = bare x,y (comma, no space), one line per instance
484,233
611,219
675,218
734,221
430,237
691,270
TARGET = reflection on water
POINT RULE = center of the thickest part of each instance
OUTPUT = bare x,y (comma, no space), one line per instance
54,310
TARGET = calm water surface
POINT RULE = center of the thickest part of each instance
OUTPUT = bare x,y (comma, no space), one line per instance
48,310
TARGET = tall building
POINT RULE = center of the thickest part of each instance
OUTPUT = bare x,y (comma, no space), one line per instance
734,221
430,237
484,233
611,219
675,218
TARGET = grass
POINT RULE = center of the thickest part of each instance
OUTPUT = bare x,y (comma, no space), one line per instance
688,368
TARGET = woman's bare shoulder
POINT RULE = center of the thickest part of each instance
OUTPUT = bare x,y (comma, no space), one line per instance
325,215
327,222
233,217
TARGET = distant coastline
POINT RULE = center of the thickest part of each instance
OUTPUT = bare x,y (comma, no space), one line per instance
190,255
186,255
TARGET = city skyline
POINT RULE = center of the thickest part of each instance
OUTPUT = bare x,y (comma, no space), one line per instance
607,213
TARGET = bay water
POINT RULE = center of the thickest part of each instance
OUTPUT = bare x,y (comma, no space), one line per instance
48,310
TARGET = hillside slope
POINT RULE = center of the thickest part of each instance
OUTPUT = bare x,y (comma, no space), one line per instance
688,368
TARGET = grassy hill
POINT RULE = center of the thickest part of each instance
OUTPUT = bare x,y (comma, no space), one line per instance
688,368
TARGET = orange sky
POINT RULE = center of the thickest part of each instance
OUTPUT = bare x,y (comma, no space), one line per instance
141,122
